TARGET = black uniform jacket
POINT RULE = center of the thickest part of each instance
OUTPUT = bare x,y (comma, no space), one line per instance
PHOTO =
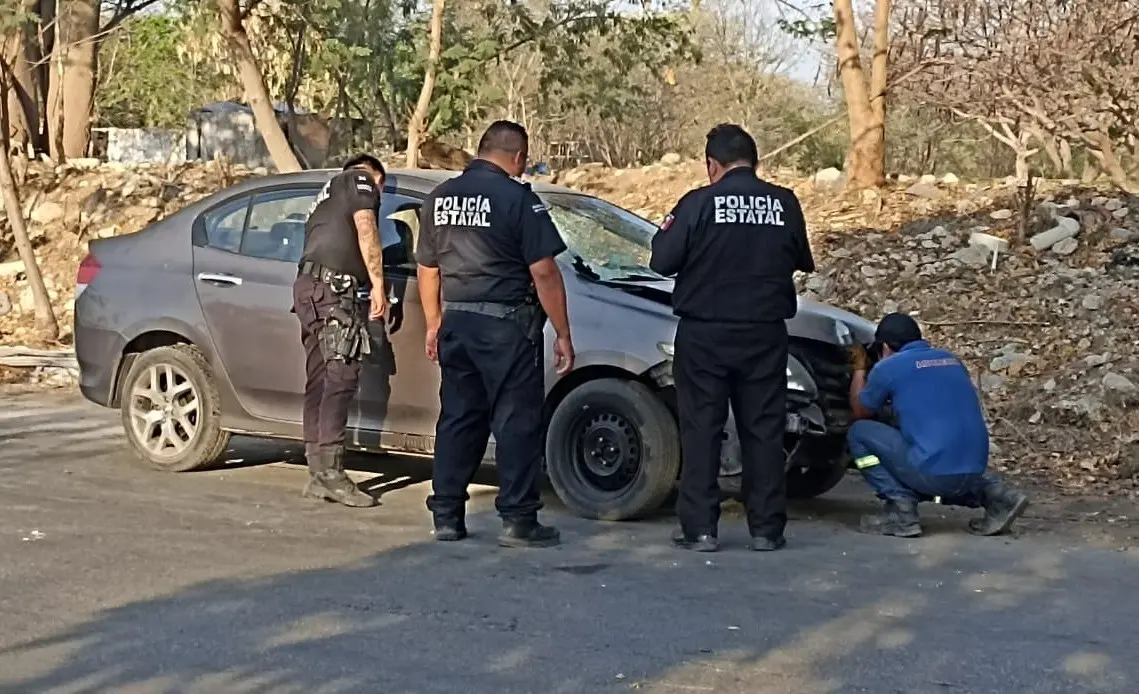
734,246
483,230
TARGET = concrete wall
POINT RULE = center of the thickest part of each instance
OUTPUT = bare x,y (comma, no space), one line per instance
140,146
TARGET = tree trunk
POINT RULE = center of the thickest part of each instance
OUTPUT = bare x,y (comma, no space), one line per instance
80,32
23,98
256,92
434,47
879,63
53,107
45,316
40,54
1105,152
1021,170
867,154
386,115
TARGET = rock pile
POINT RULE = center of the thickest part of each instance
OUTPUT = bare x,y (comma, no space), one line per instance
1050,332
68,205
1048,324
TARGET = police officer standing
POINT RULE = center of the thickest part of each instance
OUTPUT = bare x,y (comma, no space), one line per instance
341,256
487,244
734,246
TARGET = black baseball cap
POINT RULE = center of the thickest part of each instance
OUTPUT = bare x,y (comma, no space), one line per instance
896,330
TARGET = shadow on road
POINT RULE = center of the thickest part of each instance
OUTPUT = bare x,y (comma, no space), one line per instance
255,591
615,609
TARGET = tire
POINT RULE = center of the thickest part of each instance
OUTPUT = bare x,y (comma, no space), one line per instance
201,447
827,467
635,473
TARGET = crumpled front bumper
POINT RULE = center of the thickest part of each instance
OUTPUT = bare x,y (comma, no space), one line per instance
804,414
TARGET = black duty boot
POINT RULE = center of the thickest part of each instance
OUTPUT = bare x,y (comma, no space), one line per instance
897,518
450,530
527,533
767,544
1002,506
328,481
696,543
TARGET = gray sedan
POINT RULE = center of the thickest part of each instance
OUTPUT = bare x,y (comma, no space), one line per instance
186,328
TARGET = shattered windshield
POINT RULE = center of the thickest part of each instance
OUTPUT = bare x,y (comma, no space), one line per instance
611,242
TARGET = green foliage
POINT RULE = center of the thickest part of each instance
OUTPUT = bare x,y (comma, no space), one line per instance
822,30
807,27
627,81
143,79
13,15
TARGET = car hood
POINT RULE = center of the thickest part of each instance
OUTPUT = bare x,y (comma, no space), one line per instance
814,319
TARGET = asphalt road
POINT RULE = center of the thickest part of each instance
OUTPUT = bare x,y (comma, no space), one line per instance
117,579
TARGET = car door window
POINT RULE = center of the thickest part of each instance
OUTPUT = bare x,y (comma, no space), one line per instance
399,230
223,225
276,225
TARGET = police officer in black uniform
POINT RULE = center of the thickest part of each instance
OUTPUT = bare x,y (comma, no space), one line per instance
341,260
734,246
487,243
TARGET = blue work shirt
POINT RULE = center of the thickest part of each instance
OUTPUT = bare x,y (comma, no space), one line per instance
939,412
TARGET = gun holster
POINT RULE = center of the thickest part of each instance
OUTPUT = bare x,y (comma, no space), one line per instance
532,319
344,336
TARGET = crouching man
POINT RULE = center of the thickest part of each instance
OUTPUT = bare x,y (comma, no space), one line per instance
941,450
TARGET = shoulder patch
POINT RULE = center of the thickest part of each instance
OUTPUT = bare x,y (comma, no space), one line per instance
539,208
363,183
667,222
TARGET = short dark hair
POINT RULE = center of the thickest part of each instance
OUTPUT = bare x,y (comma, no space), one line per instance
504,136
896,330
369,161
728,143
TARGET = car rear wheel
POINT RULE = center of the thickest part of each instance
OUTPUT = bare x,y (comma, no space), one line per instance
612,450
171,410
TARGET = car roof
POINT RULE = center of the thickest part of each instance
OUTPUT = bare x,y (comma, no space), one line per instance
417,180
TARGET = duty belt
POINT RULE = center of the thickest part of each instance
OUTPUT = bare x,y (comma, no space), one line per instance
528,315
486,308
340,282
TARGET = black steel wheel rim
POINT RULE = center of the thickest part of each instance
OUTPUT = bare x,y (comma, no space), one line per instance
607,450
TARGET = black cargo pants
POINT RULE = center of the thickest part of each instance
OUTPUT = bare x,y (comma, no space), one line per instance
745,364
330,385
491,383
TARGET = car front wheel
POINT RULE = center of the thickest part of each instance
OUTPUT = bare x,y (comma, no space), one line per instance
817,466
612,450
171,410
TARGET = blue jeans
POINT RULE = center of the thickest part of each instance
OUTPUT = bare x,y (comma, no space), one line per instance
881,455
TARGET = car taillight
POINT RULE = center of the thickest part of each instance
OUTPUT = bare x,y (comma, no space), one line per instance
88,269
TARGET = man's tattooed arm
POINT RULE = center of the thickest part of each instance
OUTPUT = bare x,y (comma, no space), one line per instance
369,238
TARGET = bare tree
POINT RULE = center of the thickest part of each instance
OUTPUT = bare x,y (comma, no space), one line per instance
1037,74
256,91
866,107
45,315
966,53
419,116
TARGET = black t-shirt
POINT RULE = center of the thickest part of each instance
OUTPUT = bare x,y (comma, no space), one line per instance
734,247
483,230
331,239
